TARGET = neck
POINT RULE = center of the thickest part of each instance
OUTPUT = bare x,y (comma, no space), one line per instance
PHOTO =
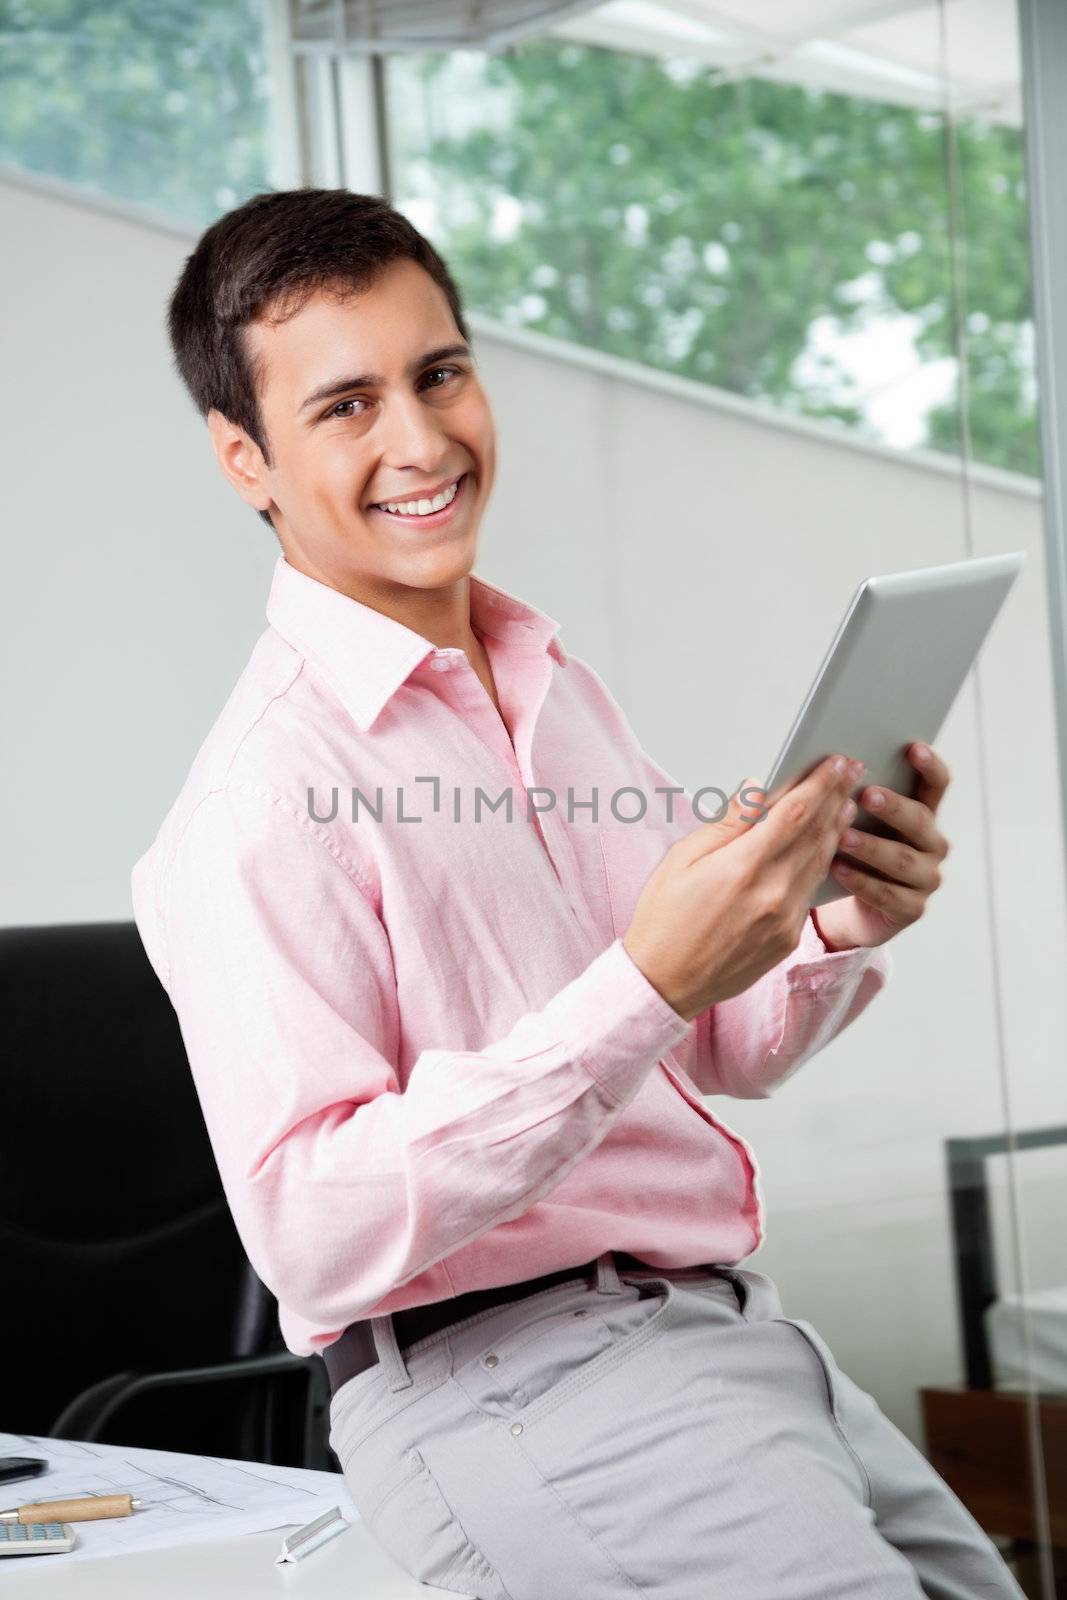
440,615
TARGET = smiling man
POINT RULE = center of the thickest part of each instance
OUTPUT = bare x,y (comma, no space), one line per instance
397,528
453,1044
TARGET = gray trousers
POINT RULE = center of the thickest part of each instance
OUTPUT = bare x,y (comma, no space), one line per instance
661,1432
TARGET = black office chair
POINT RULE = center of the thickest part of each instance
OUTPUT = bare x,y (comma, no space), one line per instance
131,1312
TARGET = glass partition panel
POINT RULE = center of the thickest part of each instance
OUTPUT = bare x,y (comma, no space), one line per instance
854,257
1002,1433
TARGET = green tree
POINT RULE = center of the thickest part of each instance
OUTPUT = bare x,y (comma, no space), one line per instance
699,227
163,103
703,227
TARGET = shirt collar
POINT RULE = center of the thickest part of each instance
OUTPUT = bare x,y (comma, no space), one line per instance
365,655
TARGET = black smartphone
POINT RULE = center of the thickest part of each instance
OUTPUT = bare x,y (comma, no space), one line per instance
21,1467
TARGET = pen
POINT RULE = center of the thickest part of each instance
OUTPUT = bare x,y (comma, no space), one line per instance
85,1510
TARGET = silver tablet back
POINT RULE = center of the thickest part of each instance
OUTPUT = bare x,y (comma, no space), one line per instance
890,677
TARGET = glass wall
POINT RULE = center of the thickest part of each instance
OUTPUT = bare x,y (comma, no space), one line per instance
862,263
998,1435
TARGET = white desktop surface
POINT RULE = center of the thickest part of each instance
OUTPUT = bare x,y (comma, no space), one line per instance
350,1567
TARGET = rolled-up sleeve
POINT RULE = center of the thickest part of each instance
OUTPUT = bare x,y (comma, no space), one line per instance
342,1186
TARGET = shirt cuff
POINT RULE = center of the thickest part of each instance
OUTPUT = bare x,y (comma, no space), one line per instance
620,1021
814,967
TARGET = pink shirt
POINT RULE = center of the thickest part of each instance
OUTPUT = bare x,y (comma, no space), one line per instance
426,1062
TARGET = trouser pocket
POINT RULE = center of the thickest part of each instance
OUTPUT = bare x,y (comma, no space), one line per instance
834,1391
405,1510
528,1363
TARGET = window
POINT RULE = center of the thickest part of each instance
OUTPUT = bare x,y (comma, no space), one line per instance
165,106
784,243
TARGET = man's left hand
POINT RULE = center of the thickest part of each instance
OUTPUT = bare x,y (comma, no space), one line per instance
909,864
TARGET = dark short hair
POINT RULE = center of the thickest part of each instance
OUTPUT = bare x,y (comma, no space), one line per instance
276,250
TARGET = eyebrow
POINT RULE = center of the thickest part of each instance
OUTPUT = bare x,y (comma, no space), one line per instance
371,380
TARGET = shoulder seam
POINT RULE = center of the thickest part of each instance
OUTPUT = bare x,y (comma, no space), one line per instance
256,720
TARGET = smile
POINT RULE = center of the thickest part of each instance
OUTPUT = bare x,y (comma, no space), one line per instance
427,513
421,508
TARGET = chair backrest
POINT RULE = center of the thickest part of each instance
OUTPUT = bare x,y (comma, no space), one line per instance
119,1251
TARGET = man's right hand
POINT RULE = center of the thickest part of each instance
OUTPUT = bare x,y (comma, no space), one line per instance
711,920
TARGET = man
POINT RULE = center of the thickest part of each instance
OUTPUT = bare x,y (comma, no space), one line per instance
451,1050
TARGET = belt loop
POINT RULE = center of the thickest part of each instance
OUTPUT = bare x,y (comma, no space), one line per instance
740,1287
389,1354
607,1274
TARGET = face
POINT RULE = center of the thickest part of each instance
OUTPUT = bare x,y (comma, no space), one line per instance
341,445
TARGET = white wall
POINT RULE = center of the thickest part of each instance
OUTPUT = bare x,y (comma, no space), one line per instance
699,553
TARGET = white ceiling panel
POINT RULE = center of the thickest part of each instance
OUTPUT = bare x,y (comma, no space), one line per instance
891,50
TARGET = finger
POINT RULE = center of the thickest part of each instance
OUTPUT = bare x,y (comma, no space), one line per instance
812,808
898,862
912,819
933,776
817,779
899,903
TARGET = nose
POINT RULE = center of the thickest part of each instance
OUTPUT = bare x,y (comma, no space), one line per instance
411,432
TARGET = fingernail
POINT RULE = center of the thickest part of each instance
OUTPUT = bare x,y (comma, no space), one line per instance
922,752
875,800
850,838
848,811
857,770
839,763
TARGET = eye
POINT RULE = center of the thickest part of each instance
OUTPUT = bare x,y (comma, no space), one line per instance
456,372
341,403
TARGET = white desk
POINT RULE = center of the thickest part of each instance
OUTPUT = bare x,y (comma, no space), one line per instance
350,1567
225,1566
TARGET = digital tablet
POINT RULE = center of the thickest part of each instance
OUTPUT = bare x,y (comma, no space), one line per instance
890,677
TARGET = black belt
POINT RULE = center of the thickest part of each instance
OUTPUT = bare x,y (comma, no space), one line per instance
354,1351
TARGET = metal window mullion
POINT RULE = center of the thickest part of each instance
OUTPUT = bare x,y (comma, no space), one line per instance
287,155
317,81
362,123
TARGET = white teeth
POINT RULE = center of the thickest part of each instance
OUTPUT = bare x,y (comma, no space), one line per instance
422,508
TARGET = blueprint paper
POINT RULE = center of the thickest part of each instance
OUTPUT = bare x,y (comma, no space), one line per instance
185,1499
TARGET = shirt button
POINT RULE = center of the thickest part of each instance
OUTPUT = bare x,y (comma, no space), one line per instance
516,1427
440,664
491,1361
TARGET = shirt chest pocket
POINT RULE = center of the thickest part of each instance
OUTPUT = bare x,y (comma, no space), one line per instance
630,853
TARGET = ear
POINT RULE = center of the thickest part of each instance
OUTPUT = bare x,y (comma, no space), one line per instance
241,460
